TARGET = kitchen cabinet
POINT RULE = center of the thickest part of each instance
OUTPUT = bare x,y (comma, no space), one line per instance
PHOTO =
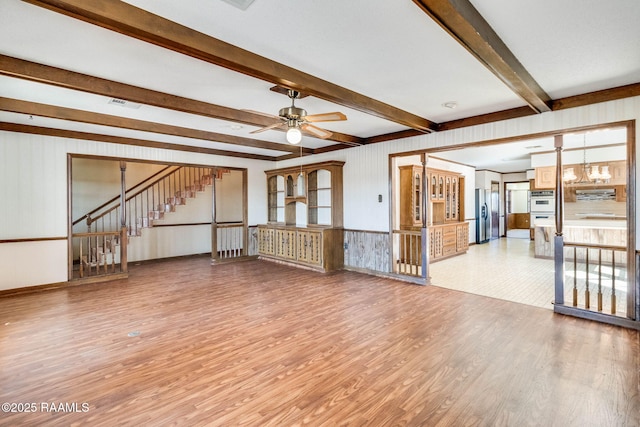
545,177
618,171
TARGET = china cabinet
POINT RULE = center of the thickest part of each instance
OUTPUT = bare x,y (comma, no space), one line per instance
304,216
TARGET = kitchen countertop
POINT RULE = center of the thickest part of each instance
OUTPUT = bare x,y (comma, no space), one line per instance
584,223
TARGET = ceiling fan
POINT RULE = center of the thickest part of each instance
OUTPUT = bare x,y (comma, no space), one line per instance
295,121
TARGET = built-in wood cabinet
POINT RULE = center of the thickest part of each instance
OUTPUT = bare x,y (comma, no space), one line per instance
443,196
447,240
305,217
410,196
448,236
320,249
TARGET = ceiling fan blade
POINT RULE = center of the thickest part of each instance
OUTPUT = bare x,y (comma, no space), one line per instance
316,131
263,114
326,117
281,125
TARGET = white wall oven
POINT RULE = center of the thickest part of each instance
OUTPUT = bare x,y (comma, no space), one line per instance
542,205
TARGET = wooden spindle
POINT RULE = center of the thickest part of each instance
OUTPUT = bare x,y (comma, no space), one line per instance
575,276
599,279
613,281
587,295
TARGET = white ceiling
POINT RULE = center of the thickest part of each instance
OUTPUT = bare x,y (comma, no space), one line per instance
389,51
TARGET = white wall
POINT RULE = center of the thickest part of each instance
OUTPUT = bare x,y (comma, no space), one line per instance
229,197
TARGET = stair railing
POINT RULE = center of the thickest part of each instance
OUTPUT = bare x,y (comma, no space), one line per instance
115,199
151,202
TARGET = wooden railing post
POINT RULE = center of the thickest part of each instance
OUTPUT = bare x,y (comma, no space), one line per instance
424,235
123,218
214,224
558,241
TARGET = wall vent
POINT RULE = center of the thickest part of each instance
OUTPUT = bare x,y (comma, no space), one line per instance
124,103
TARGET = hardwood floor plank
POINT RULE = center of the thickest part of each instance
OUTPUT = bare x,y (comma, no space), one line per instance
258,343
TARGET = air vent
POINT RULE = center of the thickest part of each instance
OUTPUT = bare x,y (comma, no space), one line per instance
124,103
240,4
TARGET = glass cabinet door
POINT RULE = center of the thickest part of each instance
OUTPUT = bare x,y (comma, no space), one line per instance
434,187
454,198
447,198
417,196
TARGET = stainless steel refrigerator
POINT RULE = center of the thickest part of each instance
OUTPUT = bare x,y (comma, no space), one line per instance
483,219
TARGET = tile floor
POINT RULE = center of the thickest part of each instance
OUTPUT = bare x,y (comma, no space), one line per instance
507,269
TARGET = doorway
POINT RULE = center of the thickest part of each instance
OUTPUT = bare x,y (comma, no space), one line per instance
517,210
495,210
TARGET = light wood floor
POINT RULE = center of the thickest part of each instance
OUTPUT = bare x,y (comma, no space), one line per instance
260,344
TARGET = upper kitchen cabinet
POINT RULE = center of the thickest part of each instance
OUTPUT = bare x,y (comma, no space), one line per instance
545,177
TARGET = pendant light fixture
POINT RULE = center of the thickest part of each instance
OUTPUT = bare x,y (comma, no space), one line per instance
300,184
590,173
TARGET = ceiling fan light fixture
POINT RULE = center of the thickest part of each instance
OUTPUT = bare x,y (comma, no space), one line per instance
294,134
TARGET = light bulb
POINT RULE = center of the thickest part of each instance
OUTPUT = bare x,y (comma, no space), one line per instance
294,136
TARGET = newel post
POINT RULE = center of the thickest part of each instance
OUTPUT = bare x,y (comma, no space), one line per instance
558,241
214,222
424,235
123,218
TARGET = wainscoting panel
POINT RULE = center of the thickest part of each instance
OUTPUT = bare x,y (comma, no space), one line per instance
252,238
367,250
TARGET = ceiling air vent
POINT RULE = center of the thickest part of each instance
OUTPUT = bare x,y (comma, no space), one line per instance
240,4
124,103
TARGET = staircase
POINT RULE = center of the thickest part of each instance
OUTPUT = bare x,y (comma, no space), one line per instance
97,252
158,196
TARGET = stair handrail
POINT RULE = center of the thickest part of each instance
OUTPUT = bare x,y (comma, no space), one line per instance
151,184
107,203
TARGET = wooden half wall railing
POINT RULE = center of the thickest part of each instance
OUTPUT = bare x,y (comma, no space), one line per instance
598,277
408,261
98,254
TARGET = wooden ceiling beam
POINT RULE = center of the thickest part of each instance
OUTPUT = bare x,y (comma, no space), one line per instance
465,24
62,113
604,95
19,68
140,24
64,133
